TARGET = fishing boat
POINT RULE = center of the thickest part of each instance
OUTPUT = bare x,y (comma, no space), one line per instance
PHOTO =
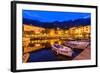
63,50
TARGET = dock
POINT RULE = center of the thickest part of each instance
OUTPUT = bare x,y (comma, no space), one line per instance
86,54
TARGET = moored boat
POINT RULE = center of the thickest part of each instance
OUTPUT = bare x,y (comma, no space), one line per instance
63,50
77,44
26,57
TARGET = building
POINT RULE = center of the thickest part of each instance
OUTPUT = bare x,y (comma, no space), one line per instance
30,29
80,32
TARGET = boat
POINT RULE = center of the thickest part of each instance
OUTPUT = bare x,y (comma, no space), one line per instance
26,57
77,44
63,50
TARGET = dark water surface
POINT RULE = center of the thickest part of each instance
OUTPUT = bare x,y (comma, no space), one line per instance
47,54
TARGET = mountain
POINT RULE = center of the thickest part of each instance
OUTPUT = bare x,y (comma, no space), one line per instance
63,24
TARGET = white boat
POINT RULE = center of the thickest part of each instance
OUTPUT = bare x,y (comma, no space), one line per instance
63,50
78,44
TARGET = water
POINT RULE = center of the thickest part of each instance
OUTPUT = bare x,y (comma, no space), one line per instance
47,54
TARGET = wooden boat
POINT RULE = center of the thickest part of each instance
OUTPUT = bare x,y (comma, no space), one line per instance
26,57
63,50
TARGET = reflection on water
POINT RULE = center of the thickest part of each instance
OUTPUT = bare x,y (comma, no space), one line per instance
47,43
46,53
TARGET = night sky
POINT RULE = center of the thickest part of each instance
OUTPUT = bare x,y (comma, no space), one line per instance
52,16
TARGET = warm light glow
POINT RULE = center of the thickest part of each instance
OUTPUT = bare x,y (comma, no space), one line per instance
52,32
30,31
37,44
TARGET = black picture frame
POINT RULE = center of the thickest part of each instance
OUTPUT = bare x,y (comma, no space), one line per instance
13,35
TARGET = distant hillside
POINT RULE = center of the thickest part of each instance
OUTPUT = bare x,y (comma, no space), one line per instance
63,25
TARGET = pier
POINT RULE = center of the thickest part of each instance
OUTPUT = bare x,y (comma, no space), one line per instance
86,54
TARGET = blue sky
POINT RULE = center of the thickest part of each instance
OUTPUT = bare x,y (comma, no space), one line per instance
51,16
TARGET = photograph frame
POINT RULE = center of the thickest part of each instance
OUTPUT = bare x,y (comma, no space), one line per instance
14,30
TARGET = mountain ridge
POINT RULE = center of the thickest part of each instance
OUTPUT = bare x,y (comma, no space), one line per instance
57,24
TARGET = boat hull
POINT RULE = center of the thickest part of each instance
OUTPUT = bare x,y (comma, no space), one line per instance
66,51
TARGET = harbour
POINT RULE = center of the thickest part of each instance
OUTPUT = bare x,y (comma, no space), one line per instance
42,51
